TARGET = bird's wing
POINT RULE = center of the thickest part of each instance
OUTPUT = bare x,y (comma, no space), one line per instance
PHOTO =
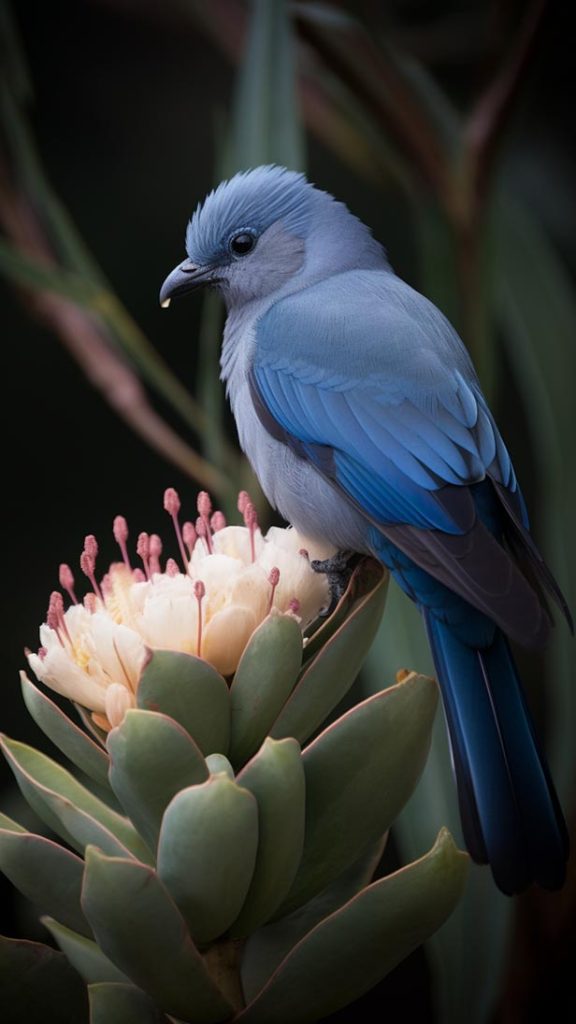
366,379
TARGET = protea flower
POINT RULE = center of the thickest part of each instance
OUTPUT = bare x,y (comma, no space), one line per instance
218,866
230,578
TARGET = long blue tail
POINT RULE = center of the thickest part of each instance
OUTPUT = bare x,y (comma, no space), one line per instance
510,813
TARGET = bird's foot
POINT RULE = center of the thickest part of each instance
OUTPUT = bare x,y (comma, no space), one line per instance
338,571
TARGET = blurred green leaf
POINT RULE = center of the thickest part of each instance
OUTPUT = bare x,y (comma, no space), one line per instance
68,807
34,979
84,955
113,1003
45,873
72,741
267,128
536,307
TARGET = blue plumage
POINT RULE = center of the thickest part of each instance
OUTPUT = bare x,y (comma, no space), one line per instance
362,415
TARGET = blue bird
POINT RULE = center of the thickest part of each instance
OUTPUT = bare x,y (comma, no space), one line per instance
361,413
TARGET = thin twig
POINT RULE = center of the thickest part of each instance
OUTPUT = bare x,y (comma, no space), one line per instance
489,117
85,339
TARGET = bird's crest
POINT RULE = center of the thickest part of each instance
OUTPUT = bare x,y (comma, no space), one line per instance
250,200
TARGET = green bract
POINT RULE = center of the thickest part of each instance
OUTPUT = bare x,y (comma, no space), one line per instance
224,870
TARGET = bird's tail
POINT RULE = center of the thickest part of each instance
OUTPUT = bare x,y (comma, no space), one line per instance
510,813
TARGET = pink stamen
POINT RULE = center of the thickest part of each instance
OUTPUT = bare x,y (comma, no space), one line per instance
204,504
172,568
190,536
273,580
42,652
203,532
294,606
91,546
138,576
199,591
120,531
251,521
88,566
66,579
243,499
172,506
155,552
55,610
90,602
55,617
143,552
218,521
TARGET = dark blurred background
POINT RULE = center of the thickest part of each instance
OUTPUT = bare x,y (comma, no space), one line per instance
128,98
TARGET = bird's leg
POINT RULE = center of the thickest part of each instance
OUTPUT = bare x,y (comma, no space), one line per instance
338,571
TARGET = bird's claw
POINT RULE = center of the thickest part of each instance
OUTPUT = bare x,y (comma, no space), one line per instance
338,571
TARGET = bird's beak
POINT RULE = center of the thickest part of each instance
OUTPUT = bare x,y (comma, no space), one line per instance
184,278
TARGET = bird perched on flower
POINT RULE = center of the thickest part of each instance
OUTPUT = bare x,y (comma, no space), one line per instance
361,413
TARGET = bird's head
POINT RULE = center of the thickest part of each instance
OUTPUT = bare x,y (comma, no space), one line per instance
262,228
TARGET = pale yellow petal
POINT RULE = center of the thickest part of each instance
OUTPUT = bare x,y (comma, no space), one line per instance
226,636
118,700
251,589
171,623
234,541
61,674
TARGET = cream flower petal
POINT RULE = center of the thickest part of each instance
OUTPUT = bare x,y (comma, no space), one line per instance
118,649
226,636
100,645
251,589
297,580
60,673
234,541
171,623
118,700
292,541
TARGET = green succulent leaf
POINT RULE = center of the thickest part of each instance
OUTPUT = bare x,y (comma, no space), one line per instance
368,576
10,825
276,778
355,947
206,853
34,979
84,955
66,806
217,763
142,931
359,774
265,949
72,741
191,692
46,874
112,1003
332,671
152,759
262,683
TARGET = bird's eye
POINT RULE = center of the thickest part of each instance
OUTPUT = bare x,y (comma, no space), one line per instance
242,243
